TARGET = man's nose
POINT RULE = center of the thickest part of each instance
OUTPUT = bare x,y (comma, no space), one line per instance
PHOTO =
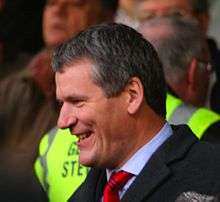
66,117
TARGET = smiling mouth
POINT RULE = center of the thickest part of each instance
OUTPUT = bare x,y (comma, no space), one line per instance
83,136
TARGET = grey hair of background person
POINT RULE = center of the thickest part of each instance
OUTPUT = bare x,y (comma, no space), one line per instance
118,53
177,42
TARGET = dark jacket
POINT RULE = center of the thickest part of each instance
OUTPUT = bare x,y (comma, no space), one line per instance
180,164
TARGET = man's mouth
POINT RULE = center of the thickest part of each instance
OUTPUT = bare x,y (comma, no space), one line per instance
83,136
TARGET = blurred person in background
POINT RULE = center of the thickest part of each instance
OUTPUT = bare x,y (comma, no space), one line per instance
25,113
198,9
63,19
57,165
183,51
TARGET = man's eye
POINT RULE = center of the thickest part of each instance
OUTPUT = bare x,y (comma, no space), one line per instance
77,103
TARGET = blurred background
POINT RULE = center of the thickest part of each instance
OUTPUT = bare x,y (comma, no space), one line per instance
214,28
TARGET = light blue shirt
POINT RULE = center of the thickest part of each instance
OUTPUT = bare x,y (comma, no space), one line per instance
137,162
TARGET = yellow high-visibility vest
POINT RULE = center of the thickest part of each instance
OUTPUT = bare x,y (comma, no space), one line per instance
57,165
199,119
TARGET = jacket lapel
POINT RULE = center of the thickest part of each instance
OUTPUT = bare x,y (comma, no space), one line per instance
100,186
146,181
157,170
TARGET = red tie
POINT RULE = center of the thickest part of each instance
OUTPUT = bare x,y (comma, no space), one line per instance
115,183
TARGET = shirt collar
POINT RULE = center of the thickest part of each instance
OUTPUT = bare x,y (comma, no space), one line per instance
137,162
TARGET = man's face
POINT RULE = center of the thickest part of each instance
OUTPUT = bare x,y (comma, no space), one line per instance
100,123
65,18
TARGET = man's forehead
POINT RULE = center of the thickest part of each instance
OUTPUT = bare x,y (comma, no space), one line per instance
78,68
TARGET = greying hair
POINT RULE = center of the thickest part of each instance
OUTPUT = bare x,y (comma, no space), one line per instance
118,53
177,42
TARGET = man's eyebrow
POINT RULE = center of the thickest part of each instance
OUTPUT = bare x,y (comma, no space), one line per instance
73,97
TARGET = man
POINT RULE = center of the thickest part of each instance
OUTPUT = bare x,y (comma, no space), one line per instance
199,9
61,20
57,165
185,58
64,18
183,51
112,91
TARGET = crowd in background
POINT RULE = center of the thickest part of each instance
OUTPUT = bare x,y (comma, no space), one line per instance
29,32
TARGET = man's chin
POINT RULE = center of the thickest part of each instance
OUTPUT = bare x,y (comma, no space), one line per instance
84,160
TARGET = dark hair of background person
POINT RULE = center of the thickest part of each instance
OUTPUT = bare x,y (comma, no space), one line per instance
20,28
126,54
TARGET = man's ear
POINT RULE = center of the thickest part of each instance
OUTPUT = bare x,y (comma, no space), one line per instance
135,92
192,74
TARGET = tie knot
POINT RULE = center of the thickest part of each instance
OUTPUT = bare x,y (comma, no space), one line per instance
115,183
118,180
